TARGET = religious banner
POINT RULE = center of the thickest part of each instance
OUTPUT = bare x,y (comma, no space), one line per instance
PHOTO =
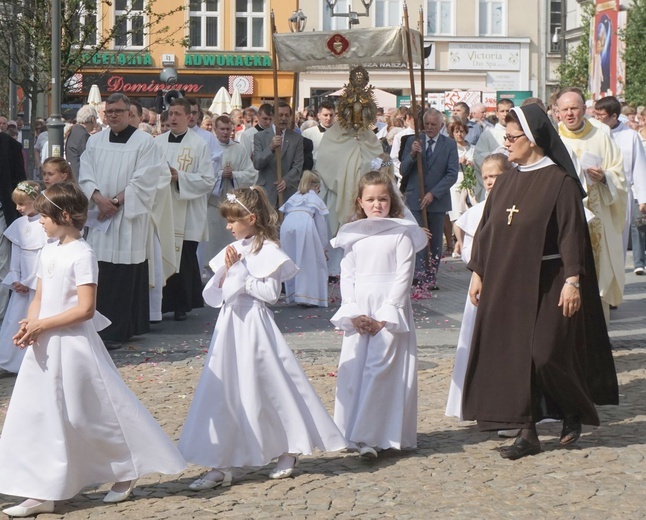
336,50
606,64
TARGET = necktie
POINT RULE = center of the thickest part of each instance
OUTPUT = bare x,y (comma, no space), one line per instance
429,150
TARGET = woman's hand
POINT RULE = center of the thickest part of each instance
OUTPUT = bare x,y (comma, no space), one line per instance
570,299
475,288
28,334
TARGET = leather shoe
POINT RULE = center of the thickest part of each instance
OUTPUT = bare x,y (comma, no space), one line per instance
519,449
203,483
367,452
111,344
20,511
180,316
114,497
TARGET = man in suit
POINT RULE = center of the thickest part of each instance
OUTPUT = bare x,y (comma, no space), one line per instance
440,170
265,144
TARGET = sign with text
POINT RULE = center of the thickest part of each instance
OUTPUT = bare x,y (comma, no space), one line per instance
198,85
118,59
484,56
223,60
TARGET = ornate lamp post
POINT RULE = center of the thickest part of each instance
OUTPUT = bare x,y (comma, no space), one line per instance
297,22
353,16
55,124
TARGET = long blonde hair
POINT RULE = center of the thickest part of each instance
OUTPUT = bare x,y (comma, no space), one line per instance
243,202
309,178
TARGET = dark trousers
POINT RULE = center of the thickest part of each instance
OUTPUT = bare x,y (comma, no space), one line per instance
436,227
122,297
183,290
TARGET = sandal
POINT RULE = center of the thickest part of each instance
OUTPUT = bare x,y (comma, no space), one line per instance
519,449
571,431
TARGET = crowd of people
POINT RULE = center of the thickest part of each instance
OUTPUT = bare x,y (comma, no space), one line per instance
538,201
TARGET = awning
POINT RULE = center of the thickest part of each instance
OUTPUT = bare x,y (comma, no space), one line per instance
337,50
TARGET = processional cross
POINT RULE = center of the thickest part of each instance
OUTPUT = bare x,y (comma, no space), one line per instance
511,212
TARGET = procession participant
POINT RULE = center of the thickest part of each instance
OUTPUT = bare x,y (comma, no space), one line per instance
602,162
191,168
119,173
315,133
265,118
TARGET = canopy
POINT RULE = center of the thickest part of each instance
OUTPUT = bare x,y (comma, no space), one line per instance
94,97
236,99
335,50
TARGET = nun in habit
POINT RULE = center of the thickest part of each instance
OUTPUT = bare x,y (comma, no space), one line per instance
540,346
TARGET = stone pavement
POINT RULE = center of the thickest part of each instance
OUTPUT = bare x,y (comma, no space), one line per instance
456,471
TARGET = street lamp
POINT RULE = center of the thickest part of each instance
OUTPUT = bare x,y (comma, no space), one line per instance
297,21
352,15
55,124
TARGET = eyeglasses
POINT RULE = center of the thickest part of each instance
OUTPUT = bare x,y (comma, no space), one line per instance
513,138
116,111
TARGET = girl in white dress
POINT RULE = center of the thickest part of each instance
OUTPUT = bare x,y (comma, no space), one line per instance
304,237
72,421
27,238
376,394
492,166
253,402
55,170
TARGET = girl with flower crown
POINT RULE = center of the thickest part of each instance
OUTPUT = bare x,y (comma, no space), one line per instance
27,238
253,403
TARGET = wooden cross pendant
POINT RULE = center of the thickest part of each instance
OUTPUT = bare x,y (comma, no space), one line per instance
511,212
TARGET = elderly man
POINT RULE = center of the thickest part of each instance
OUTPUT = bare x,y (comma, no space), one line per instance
191,167
291,154
440,171
602,162
78,136
325,117
119,173
479,115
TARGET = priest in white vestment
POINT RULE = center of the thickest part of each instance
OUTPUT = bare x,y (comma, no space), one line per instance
191,167
602,162
119,173
608,110
325,121
233,169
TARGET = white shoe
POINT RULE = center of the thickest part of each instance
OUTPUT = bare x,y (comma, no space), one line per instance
367,452
639,271
203,482
114,497
284,472
508,434
20,511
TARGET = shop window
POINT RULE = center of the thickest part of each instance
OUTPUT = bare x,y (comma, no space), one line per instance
439,17
250,24
388,13
84,27
203,23
129,23
492,18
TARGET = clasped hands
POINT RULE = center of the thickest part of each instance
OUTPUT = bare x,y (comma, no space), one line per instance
367,325
28,334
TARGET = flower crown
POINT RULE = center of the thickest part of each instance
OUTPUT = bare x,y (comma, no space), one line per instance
232,198
30,190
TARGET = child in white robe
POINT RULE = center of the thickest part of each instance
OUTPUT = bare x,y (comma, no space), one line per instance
376,395
55,170
27,238
492,166
72,421
304,237
253,401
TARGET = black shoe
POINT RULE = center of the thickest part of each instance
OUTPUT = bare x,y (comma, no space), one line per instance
519,449
571,431
434,288
180,316
111,344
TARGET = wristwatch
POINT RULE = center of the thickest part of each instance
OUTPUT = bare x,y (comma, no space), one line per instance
115,201
576,285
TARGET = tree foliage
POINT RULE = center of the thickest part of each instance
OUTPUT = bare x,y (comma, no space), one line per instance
635,53
26,35
574,72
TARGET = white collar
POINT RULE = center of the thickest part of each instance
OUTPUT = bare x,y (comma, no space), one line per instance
542,163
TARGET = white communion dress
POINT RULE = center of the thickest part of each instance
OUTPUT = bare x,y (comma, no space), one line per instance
304,237
376,396
253,401
72,421
27,238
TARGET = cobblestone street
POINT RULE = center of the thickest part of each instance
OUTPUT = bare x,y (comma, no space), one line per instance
456,472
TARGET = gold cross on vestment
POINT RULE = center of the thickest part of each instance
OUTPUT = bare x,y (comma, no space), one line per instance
511,212
184,160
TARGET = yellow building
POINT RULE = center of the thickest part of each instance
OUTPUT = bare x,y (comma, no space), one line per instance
229,44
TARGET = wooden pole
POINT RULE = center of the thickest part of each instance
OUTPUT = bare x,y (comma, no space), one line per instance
413,102
422,68
274,64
